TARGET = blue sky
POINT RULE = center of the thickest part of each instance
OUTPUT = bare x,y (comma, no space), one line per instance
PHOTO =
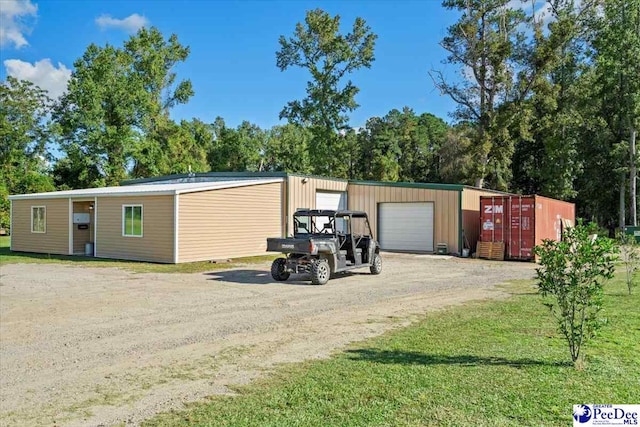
233,44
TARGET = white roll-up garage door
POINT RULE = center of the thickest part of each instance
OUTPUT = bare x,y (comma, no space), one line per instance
332,201
406,226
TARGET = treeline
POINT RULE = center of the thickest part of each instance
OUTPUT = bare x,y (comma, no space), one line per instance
546,105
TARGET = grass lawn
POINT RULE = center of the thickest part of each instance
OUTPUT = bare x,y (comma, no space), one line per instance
6,257
495,363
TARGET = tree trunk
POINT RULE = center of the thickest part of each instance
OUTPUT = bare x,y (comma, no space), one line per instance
632,179
623,187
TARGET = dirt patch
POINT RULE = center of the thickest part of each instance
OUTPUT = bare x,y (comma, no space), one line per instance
102,346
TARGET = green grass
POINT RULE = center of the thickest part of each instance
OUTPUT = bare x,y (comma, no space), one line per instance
483,364
8,257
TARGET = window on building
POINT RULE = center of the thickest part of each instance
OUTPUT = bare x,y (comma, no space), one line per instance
38,219
132,221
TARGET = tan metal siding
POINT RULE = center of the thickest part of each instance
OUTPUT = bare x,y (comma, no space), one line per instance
303,194
228,223
446,202
156,243
471,197
56,238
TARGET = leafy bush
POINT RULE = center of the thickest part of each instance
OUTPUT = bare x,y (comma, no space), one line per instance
571,276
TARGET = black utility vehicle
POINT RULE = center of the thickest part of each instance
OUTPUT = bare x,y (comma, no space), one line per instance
324,243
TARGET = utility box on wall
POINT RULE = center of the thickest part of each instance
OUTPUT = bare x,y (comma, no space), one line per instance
81,218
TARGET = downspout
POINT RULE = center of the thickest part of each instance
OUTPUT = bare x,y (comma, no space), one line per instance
95,226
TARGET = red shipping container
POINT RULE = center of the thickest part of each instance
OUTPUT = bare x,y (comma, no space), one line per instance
522,222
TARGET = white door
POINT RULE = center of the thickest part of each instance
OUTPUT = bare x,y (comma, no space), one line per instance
332,201
406,226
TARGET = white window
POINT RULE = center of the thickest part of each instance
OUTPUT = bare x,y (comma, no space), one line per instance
132,220
38,219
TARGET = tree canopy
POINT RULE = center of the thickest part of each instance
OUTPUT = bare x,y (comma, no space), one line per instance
544,105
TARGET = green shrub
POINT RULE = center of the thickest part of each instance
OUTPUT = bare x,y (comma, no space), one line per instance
570,278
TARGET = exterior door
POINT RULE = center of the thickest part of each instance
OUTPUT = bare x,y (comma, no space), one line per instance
332,201
406,226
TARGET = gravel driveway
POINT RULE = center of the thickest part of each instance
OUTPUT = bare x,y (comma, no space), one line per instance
100,346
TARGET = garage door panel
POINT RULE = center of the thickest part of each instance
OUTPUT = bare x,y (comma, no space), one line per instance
406,226
331,200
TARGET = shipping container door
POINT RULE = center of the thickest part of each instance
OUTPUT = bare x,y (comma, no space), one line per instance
492,216
520,241
406,226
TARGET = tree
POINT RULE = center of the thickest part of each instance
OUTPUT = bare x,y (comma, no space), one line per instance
287,149
630,258
380,151
75,170
117,105
174,148
25,130
455,157
241,149
616,47
401,146
419,160
152,62
98,113
486,42
570,278
551,122
320,48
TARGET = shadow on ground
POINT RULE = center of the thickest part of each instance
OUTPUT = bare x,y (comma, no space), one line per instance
417,358
254,277
262,277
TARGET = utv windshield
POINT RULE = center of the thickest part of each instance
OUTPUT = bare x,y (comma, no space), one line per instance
312,224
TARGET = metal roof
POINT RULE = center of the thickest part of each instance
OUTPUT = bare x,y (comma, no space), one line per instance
222,175
326,212
147,190
202,176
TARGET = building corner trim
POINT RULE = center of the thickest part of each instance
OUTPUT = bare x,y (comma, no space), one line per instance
176,227
70,229
95,226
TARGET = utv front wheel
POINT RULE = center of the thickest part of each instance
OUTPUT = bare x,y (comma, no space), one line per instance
320,272
278,270
376,265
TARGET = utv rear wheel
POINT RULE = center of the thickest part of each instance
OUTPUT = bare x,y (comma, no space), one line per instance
278,270
376,265
320,272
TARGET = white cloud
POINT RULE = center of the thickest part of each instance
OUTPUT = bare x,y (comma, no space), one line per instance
131,24
42,73
14,17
